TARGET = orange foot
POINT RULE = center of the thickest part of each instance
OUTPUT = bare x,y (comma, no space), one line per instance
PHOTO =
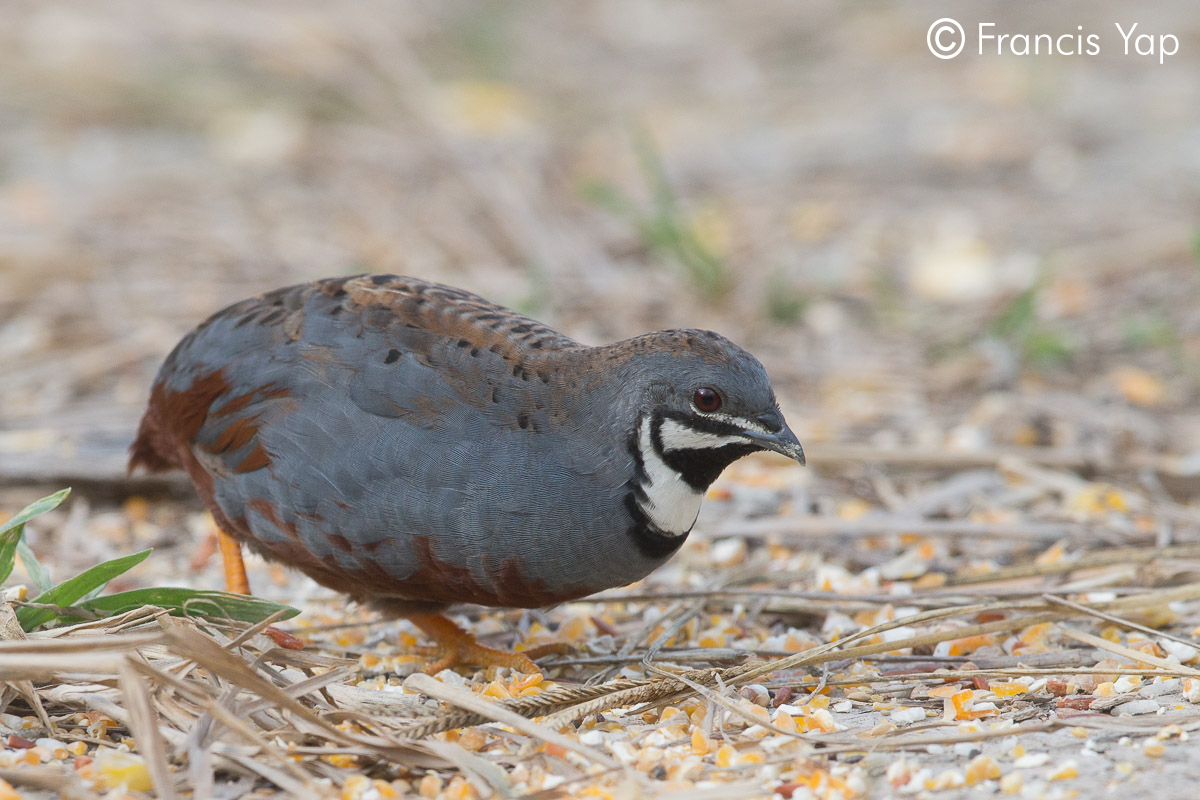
457,646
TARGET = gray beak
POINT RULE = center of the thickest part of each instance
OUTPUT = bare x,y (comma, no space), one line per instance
783,441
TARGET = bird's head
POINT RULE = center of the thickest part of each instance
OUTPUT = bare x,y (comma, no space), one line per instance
701,403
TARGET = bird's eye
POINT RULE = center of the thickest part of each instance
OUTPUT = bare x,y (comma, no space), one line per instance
706,399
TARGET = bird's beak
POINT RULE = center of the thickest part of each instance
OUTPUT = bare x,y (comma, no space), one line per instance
783,442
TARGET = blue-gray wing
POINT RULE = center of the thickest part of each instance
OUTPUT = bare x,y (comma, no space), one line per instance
398,438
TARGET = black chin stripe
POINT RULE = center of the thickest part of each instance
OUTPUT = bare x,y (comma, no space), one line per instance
648,538
699,467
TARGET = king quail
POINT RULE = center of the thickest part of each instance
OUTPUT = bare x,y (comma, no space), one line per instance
414,445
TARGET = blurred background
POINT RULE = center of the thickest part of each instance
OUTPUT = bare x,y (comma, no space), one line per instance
931,256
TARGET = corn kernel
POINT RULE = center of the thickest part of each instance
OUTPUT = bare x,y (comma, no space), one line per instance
1153,748
1127,683
115,768
596,792
1011,783
818,701
497,690
430,786
961,702
821,720
1079,733
386,790
793,644
785,722
460,789
950,779
349,638
725,755
1171,730
701,744
472,739
524,684
1066,771
355,786
970,644
1036,633
982,768
1008,688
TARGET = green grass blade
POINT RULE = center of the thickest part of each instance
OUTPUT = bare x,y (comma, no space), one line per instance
35,508
71,590
189,603
12,543
8,550
38,575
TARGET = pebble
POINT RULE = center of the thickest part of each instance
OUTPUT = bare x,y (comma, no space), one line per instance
907,716
1135,707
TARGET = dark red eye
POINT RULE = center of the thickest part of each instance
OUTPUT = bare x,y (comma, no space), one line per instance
707,399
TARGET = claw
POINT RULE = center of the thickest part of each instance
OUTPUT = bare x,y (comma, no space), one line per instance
460,647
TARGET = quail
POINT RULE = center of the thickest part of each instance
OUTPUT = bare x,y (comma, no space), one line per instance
413,445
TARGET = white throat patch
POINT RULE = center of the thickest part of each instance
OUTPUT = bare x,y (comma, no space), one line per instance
670,503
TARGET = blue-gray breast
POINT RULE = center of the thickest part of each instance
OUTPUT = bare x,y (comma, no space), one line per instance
413,445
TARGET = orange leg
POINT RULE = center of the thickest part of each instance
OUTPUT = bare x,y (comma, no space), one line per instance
460,647
237,583
235,569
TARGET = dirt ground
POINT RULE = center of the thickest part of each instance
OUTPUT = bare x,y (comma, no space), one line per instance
973,281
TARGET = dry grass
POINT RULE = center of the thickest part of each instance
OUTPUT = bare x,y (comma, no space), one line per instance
1007,662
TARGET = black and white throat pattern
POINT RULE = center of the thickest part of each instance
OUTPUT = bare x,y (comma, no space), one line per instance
670,503
678,463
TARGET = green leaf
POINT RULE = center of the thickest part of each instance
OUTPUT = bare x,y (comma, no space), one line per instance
1019,313
189,603
607,197
38,574
8,550
11,542
69,591
1047,347
35,508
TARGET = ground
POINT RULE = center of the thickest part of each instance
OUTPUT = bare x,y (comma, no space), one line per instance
973,282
